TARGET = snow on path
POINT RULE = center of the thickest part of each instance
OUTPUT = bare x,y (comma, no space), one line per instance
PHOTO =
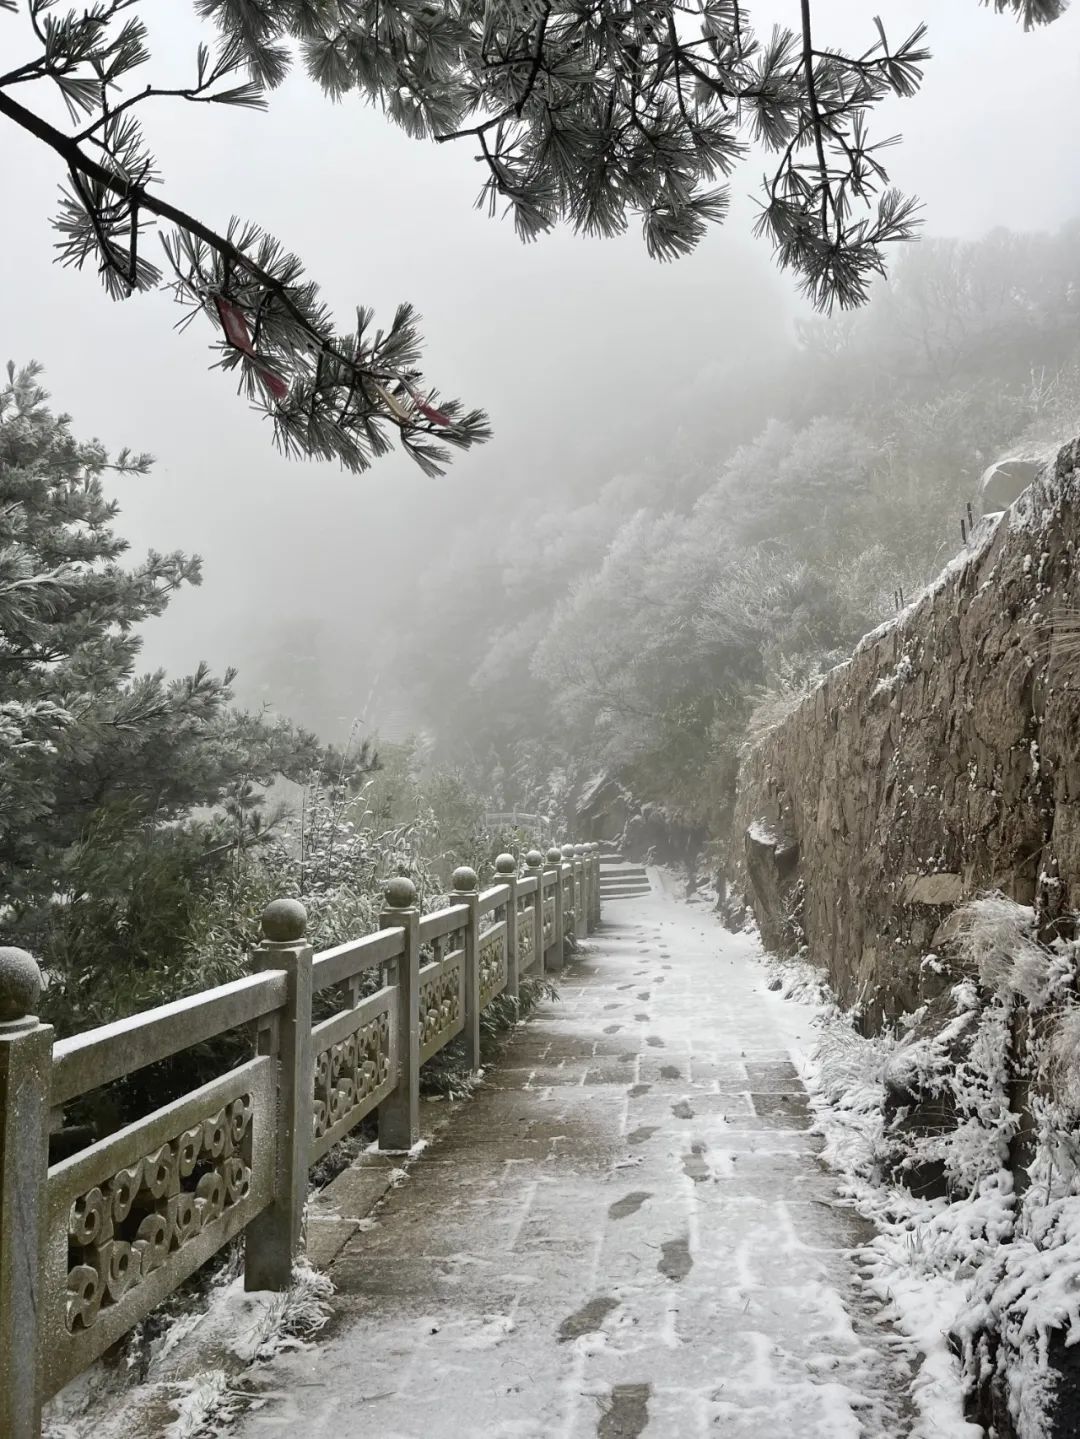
625,1233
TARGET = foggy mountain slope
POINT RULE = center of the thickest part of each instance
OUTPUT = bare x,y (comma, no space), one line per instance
636,631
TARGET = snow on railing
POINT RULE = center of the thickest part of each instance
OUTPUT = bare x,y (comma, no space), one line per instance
91,1244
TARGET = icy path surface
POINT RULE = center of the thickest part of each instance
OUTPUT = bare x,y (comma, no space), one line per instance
627,1233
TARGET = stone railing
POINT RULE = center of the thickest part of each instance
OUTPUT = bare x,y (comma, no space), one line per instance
91,1244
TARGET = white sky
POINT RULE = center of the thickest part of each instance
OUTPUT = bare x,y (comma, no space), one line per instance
578,349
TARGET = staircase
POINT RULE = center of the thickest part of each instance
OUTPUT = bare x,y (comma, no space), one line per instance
620,880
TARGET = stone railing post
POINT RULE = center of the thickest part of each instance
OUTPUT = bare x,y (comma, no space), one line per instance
506,873
594,861
571,925
534,865
274,1238
584,911
25,1066
399,1113
554,859
466,892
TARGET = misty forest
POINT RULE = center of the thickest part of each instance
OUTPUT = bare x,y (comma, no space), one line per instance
554,912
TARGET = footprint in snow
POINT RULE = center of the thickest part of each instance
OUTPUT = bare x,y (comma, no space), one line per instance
682,1110
655,1041
638,1090
644,996
642,1018
694,1166
670,1071
627,1413
676,1263
628,1204
612,1028
587,1319
641,1134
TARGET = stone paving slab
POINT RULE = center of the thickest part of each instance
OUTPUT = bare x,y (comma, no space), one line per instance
625,1233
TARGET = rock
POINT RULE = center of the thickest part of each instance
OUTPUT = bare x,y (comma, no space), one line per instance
772,864
933,889
1006,480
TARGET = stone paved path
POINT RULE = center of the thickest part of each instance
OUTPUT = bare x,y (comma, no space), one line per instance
626,1233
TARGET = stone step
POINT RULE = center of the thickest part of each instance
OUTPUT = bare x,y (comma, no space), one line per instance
625,894
637,882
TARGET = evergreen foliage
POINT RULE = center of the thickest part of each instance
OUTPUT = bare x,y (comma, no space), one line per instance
122,795
586,112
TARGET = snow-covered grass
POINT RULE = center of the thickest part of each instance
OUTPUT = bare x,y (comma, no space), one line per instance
978,1281
182,1382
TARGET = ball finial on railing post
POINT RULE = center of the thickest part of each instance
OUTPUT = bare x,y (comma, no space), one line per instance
21,985
568,851
579,849
464,879
284,921
505,864
534,859
400,892
554,855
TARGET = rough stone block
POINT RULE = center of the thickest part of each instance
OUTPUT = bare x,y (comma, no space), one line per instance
933,889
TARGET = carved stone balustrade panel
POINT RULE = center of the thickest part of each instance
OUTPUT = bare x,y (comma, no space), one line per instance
442,1003
132,1216
354,1067
492,956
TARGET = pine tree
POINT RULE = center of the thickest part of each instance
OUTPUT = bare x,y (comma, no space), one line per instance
97,761
586,112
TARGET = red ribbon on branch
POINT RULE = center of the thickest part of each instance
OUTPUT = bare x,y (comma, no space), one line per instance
234,323
428,411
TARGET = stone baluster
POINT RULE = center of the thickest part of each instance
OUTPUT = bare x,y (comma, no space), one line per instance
594,860
466,892
554,859
534,865
25,1078
582,870
399,1113
570,923
506,873
275,1237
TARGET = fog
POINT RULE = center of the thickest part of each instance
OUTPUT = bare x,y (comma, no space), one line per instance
587,355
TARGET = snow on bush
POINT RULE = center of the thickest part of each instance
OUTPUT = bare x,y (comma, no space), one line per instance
979,1281
996,938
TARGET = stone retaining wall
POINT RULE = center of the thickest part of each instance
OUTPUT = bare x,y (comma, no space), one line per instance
942,761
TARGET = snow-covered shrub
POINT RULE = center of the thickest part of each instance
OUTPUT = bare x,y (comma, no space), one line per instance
983,1276
995,940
